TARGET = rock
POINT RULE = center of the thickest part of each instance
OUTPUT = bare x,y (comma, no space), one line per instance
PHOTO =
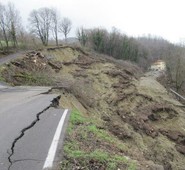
106,118
83,61
182,141
67,63
121,132
56,66
150,165
80,74
167,166
149,130
39,54
141,126
114,73
173,135
17,63
154,117
31,54
180,148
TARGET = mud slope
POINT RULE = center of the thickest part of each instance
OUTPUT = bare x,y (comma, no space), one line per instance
133,111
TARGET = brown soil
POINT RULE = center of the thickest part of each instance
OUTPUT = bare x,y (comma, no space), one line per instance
136,110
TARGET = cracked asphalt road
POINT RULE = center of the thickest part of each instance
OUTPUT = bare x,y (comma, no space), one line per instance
28,122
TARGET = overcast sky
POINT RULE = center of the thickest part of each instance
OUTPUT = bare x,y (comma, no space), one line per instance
165,18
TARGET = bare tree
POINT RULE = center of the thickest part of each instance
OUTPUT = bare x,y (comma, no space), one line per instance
1,38
54,26
9,24
180,73
3,24
14,22
175,61
22,37
65,27
82,36
41,20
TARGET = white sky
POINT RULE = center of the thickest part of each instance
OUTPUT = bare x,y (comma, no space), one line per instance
165,18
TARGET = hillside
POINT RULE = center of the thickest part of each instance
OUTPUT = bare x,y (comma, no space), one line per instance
120,118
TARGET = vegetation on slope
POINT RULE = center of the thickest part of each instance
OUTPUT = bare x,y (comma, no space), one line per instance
104,152
118,120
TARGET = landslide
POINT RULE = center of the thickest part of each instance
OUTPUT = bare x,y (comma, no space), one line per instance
121,119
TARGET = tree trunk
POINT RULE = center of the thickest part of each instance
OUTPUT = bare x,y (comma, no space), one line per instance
13,34
56,39
56,36
1,45
65,38
5,38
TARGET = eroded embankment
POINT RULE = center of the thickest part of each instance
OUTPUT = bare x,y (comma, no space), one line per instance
123,121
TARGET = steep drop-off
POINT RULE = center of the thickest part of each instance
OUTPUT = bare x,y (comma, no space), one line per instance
120,118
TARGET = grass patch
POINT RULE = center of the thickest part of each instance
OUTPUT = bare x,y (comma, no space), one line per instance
38,78
102,158
34,79
80,153
76,118
100,133
3,43
10,43
106,136
1,76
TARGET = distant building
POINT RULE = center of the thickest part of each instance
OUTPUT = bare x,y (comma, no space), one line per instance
159,65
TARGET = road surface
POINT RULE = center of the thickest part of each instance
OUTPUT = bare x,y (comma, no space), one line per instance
10,57
31,128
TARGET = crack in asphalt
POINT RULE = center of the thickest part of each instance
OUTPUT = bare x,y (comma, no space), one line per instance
23,160
54,103
29,159
53,88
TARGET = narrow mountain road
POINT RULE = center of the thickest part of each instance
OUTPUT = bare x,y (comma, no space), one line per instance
10,57
31,128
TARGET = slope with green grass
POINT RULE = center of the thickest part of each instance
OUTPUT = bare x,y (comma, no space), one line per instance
119,120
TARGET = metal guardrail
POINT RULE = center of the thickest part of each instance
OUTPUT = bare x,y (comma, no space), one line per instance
177,94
